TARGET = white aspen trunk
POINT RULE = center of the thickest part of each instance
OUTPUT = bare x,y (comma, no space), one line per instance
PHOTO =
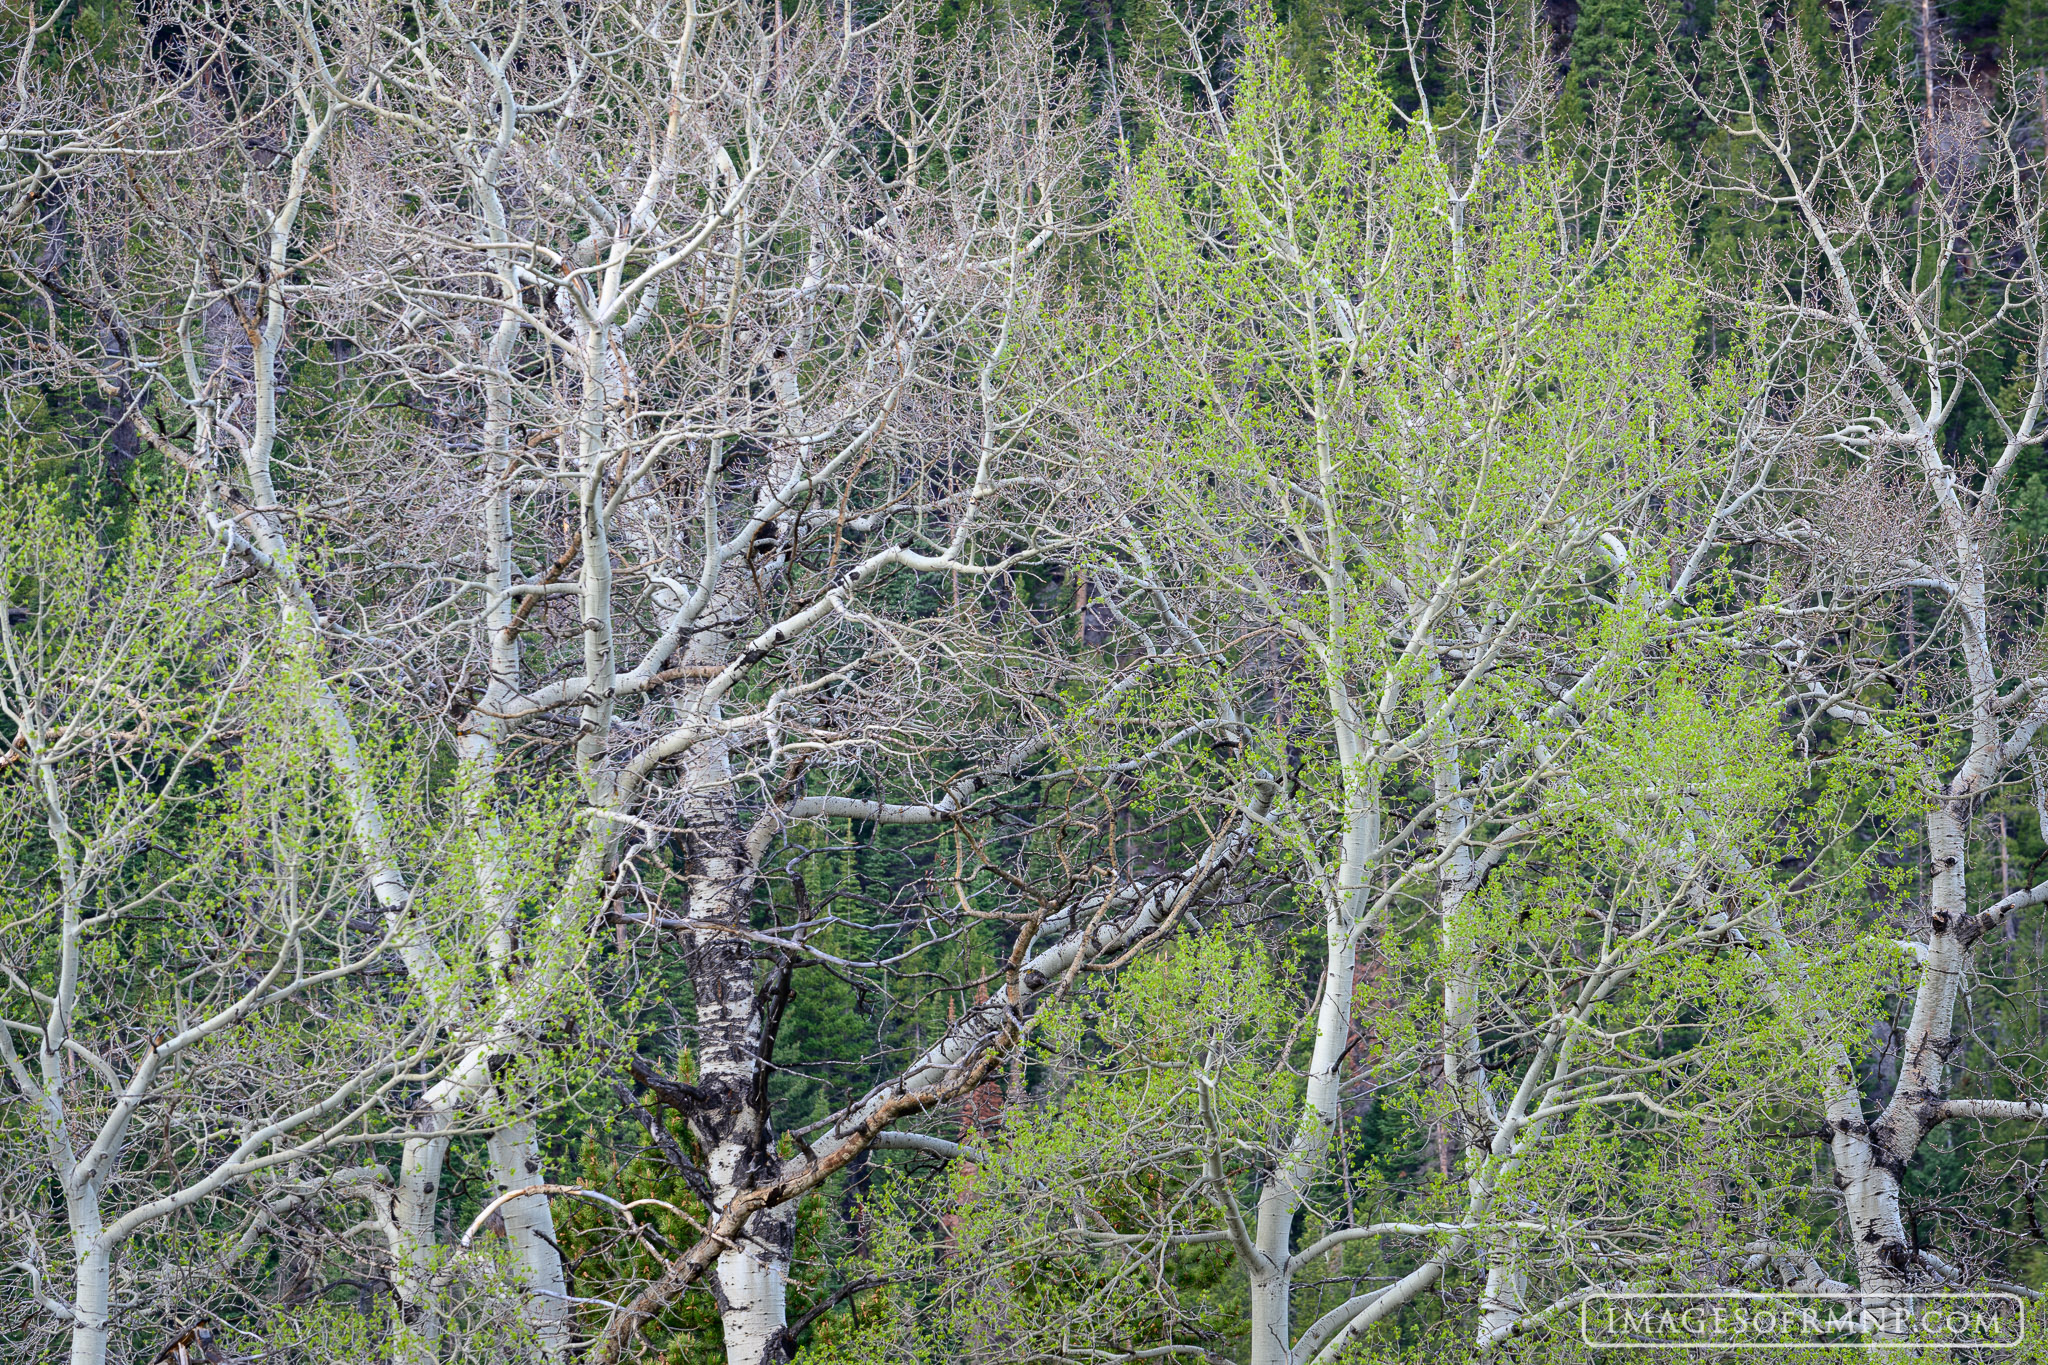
720,873
737,1136
596,445
92,1258
91,1295
1271,1313
1885,1259
514,1150
417,1256
92,1301
413,1200
1872,1164
530,1234
1354,730
416,1319
1504,1298
1870,1193
416,1253
1273,1277
1870,1199
728,1118
412,1229
1272,1274
754,1274
754,1279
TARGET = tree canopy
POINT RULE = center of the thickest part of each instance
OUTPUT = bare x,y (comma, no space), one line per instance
1017,683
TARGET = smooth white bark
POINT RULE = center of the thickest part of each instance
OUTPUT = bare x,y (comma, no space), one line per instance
515,1158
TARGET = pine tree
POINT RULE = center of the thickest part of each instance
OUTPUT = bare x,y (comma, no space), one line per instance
2023,36
1606,54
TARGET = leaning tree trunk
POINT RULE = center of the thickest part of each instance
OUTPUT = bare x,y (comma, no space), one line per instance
1871,1163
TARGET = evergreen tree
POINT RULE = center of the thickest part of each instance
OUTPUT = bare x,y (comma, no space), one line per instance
2023,36
1606,53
